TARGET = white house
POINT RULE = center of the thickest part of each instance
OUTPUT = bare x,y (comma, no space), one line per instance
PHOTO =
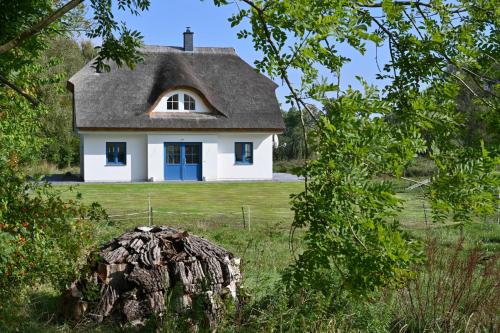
183,114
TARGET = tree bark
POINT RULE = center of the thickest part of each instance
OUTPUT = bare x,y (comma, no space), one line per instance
135,272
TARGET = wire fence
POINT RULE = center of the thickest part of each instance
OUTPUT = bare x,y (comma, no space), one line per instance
416,213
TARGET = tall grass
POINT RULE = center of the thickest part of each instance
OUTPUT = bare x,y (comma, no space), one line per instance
458,290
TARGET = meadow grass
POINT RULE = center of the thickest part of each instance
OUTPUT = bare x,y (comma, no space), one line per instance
214,211
211,210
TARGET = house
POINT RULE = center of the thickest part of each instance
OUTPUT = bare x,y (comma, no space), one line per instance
190,113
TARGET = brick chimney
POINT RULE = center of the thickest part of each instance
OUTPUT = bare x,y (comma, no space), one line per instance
188,40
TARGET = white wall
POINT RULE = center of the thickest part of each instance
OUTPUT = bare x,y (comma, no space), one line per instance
145,155
156,155
262,167
94,161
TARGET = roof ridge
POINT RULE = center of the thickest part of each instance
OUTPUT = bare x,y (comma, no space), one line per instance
177,49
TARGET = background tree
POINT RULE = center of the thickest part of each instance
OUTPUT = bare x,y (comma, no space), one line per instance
291,142
63,58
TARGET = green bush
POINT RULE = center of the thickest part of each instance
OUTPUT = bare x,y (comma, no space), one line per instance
42,237
288,166
420,167
309,311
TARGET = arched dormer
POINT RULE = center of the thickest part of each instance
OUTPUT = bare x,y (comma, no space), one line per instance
180,100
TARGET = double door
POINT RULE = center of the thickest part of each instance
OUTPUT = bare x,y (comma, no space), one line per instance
182,161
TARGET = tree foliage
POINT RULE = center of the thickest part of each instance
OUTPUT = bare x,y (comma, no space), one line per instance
63,58
27,24
42,236
353,230
434,49
291,141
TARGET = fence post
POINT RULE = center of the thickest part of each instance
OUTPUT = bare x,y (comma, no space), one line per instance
249,219
243,213
149,210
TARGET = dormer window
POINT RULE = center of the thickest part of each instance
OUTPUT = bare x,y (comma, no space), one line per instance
181,100
173,102
189,103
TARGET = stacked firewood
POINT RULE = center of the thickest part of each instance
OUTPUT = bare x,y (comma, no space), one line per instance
132,276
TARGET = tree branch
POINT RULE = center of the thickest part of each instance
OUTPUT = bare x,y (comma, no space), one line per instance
39,26
398,3
21,92
284,75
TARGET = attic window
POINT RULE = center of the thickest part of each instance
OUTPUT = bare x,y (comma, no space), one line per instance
189,103
181,100
173,102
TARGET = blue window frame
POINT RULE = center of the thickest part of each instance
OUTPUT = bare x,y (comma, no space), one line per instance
116,153
243,152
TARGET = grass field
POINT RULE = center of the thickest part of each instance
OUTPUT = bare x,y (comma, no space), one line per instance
211,210
214,211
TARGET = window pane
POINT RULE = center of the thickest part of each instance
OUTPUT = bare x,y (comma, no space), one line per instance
192,154
196,154
173,102
248,153
173,154
110,155
189,103
121,154
239,152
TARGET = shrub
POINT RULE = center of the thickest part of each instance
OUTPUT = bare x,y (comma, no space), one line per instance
457,290
421,167
42,237
290,166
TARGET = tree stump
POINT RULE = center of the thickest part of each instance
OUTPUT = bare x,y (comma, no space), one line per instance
132,276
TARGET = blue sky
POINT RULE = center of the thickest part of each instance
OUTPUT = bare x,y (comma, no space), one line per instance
166,20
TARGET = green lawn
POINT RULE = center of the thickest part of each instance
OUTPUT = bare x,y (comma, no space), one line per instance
214,211
211,210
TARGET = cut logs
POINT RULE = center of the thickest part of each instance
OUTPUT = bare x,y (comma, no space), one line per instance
132,276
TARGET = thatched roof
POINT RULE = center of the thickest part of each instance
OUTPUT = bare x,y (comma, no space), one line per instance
239,96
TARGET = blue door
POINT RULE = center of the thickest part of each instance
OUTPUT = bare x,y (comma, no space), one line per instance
182,161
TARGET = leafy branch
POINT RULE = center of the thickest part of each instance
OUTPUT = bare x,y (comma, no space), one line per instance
20,91
37,28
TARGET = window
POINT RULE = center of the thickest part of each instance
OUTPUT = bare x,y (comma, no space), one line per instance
173,102
116,153
180,100
189,103
192,153
243,152
174,154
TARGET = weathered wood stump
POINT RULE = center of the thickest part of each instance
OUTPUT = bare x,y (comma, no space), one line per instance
131,277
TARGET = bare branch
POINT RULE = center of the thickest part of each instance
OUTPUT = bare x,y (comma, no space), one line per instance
356,237
39,26
21,92
274,48
413,23
398,3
